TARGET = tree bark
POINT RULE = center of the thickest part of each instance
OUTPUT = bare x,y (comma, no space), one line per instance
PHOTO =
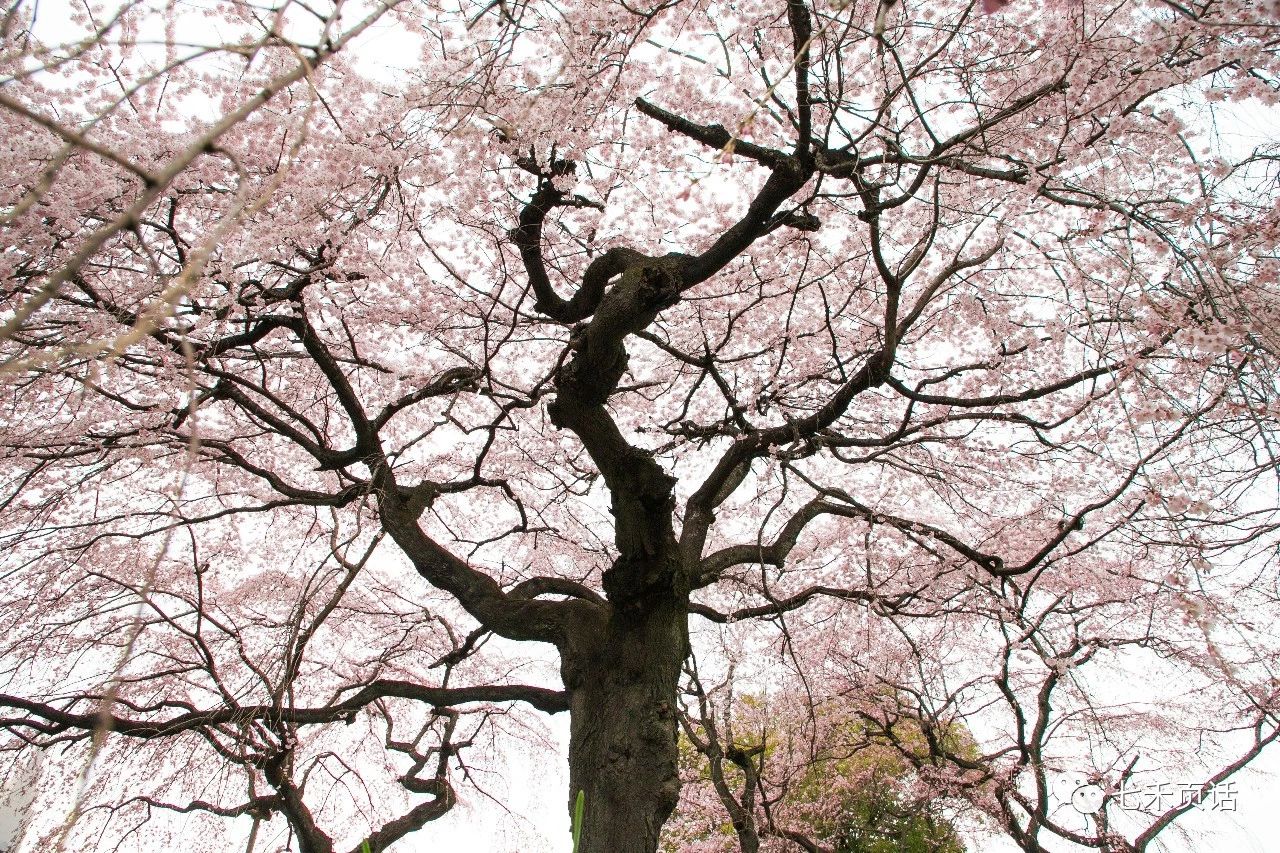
622,744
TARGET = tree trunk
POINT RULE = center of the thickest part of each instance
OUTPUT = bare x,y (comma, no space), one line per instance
622,743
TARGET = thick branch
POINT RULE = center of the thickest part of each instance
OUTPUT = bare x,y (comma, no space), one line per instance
47,719
480,594
782,605
711,135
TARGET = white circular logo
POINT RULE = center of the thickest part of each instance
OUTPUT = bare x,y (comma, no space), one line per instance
1087,799
1076,789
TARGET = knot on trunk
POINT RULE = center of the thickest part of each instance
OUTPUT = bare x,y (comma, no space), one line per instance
592,374
659,287
631,582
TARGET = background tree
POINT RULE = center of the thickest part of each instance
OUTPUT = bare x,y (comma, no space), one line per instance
756,779
351,421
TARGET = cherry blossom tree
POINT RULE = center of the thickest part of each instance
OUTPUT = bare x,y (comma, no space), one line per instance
362,404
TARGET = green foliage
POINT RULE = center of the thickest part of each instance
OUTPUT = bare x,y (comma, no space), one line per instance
874,818
857,797
854,792
866,774
579,807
